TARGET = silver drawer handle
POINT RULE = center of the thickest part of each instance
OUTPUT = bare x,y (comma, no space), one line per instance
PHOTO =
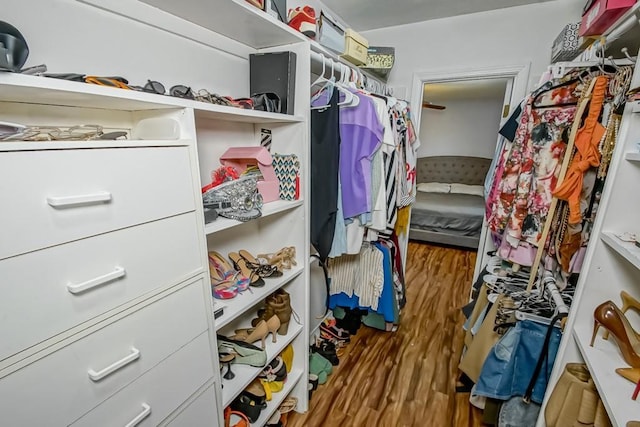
146,411
85,199
101,280
97,376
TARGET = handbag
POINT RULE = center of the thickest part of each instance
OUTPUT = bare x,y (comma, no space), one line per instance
267,101
287,168
574,400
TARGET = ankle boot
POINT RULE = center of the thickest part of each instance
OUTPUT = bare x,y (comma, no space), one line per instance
279,304
282,309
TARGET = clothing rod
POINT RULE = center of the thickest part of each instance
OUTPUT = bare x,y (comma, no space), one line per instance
550,285
331,64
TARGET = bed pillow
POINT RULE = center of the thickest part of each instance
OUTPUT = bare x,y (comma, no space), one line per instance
474,190
434,187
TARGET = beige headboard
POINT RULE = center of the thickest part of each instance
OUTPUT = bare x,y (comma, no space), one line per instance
450,169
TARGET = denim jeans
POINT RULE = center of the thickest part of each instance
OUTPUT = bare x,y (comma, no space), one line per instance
509,366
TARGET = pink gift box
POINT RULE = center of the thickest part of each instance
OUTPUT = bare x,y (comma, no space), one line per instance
602,14
240,158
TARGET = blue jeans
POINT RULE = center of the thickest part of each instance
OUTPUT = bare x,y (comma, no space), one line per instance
509,366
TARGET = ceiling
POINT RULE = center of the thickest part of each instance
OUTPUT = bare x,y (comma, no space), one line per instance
364,15
471,89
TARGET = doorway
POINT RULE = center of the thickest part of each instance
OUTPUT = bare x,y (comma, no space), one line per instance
516,79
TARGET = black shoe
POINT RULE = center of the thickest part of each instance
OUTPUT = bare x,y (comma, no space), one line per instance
327,350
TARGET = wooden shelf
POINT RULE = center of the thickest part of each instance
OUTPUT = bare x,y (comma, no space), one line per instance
44,90
277,398
603,359
244,374
268,209
627,250
236,307
235,19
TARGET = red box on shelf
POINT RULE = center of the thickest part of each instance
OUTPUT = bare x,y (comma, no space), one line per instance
602,14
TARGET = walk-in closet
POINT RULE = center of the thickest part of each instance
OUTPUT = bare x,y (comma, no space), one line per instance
289,213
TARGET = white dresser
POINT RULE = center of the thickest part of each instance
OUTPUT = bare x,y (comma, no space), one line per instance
105,308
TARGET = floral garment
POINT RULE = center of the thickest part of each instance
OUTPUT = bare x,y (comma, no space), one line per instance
530,173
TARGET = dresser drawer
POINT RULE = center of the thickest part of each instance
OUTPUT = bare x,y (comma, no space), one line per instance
56,196
52,290
200,413
64,385
156,394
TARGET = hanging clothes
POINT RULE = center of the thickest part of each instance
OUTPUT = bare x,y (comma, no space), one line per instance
587,155
532,166
325,161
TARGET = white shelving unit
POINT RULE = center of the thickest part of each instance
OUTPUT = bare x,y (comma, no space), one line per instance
245,374
611,265
230,30
271,208
603,359
242,303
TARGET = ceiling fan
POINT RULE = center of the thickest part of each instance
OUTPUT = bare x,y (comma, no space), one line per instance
427,104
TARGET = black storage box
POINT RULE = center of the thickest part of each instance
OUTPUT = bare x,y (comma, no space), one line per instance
274,72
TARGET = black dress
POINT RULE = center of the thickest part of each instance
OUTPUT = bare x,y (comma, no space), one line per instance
325,164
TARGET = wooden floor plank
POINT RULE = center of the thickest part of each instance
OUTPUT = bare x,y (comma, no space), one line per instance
406,378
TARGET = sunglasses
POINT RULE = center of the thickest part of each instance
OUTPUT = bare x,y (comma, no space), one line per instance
118,82
153,86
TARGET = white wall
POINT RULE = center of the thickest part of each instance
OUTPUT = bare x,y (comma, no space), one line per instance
501,37
468,127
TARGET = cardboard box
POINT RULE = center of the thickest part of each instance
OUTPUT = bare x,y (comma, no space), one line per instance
330,34
602,14
355,48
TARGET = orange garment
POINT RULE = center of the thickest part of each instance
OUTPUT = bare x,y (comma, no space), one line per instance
587,155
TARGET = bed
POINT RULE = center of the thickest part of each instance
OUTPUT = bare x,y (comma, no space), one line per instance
440,215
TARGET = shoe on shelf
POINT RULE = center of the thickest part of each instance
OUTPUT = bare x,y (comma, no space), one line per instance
261,269
256,392
627,302
279,304
222,272
253,279
260,332
274,371
284,259
303,19
631,374
225,359
245,353
609,316
249,407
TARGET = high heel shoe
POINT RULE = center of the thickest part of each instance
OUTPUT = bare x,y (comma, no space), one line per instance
254,278
259,333
612,319
278,303
225,360
222,272
273,324
627,302
262,269
284,259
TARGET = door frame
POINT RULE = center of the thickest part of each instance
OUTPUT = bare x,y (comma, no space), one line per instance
519,73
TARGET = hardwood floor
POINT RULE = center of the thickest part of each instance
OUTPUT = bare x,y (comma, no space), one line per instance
406,378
